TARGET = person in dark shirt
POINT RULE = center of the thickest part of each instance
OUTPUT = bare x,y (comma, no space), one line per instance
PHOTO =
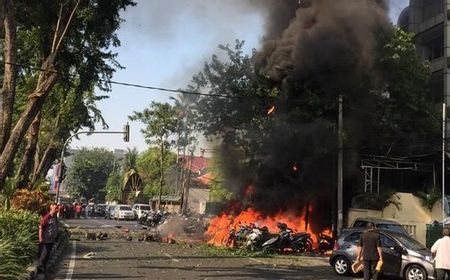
48,233
370,252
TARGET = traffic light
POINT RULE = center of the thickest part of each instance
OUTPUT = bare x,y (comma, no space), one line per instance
126,133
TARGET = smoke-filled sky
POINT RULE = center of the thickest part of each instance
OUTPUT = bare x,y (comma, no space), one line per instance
164,42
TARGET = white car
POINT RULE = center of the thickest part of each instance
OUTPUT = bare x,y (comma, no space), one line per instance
123,212
141,209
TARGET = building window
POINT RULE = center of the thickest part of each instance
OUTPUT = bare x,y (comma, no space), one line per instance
435,48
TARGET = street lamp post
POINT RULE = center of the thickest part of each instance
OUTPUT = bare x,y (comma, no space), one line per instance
125,132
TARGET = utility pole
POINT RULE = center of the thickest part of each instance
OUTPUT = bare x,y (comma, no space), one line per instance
187,184
444,216
340,168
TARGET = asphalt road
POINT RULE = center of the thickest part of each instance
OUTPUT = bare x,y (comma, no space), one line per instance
121,259
101,223
151,260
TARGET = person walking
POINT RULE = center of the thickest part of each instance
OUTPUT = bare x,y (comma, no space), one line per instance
48,233
441,253
370,252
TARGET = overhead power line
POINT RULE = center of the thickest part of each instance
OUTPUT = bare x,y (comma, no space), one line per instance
131,84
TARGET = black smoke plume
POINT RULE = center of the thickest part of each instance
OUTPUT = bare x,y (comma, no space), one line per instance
330,46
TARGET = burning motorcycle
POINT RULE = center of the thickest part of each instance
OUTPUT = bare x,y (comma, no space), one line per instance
285,240
326,243
256,238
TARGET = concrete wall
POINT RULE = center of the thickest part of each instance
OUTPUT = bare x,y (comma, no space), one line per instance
410,214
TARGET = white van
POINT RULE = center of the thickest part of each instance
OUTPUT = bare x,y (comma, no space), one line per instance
140,209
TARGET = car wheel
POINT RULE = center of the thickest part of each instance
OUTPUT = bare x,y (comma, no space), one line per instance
415,272
342,265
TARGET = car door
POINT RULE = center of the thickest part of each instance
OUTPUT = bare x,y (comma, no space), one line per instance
392,257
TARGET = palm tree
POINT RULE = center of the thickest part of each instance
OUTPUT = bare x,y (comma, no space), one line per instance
130,159
428,200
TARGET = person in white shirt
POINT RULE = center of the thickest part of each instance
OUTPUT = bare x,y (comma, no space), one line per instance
441,251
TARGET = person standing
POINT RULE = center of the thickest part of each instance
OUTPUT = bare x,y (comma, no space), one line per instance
370,252
441,252
78,210
48,233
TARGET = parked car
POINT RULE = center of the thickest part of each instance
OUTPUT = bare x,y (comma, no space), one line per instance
379,224
140,209
99,210
403,256
109,211
123,212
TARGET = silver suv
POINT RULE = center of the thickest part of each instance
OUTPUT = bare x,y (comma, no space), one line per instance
403,256
379,224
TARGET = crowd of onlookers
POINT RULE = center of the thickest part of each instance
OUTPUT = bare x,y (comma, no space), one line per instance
75,210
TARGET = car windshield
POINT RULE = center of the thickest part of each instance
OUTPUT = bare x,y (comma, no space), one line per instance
392,227
145,207
409,242
128,208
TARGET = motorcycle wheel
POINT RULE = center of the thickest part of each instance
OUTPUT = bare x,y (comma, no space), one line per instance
308,246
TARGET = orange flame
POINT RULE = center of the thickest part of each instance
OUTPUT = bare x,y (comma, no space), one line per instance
271,110
220,227
295,167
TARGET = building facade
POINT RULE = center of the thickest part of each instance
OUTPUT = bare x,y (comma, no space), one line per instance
429,20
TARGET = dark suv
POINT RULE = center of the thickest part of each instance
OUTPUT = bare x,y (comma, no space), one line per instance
379,224
403,256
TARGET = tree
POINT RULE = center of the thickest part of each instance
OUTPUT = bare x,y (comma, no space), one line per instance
148,167
130,159
69,42
243,113
113,187
89,172
385,105
160,120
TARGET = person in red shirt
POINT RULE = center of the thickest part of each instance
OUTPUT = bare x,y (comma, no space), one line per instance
48,233
78,210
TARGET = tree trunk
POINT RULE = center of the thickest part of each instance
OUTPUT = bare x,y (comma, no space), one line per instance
45,163
10,73
46,81
23,174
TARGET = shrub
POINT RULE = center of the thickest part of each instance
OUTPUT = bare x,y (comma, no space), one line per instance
35,201
18,242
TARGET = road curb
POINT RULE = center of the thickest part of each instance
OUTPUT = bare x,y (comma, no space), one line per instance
55,255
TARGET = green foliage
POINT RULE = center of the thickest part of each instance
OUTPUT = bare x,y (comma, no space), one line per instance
130,160
8,191
406,121
89,172
148,166
237,118
18,242
113,187
376,201
85,61
160,121
428,200
219,193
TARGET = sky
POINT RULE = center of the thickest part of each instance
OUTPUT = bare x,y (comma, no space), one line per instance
164,43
